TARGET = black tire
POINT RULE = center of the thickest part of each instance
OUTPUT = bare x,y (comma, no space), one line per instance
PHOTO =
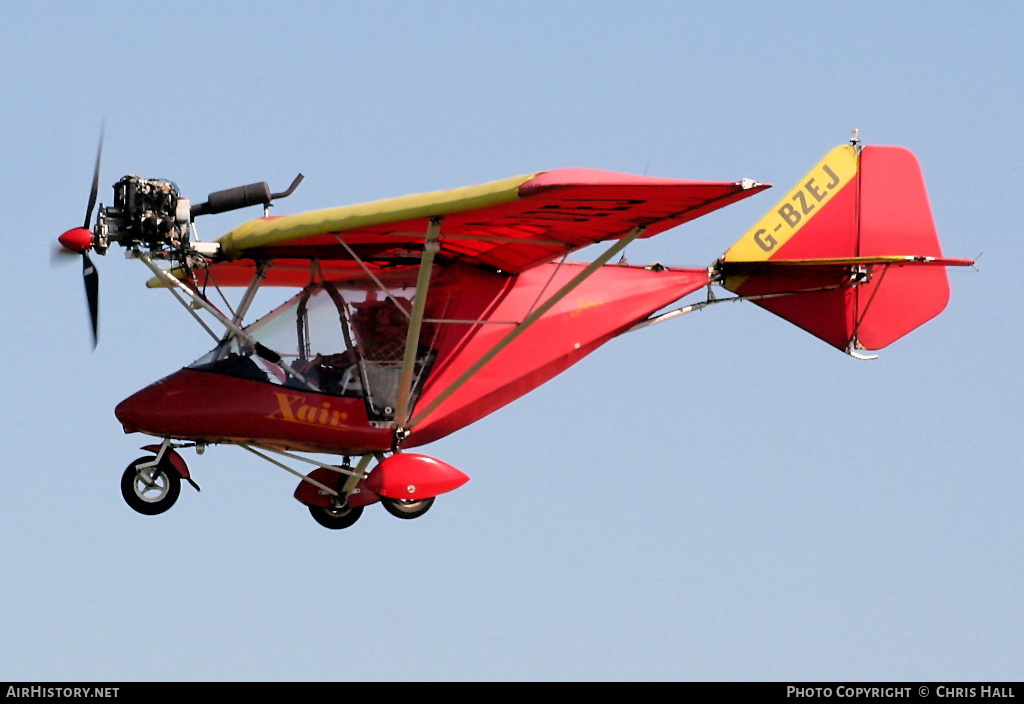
335,518
408,509
150,500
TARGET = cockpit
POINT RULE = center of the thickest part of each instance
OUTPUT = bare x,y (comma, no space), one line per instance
334,340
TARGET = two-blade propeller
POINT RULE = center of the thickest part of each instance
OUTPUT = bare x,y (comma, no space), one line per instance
79,240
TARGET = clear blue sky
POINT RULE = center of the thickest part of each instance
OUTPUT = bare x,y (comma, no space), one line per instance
723,497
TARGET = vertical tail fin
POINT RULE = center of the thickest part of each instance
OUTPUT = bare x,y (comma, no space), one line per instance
850,254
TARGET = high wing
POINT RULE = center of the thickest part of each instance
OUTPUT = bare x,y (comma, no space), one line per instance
510,225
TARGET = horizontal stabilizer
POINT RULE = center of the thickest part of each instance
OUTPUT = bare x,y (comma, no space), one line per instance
775,264
850,254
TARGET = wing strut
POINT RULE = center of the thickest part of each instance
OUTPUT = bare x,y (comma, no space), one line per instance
412,338
527,322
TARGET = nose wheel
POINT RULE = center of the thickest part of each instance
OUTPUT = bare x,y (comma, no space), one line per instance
150,490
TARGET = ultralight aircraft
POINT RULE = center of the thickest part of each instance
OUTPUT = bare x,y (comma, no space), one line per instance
413,317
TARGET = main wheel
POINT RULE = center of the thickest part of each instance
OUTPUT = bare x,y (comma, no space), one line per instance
336,518
150,491
403,508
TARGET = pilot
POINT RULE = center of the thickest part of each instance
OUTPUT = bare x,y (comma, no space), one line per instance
325,370
380,329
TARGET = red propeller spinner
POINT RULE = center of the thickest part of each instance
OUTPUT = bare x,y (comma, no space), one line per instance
78,240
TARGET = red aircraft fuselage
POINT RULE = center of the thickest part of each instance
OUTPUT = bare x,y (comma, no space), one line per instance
470,310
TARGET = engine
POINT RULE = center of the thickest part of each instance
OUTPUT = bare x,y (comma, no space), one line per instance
146,213
151,214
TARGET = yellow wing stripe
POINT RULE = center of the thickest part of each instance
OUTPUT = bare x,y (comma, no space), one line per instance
796,208
260,233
